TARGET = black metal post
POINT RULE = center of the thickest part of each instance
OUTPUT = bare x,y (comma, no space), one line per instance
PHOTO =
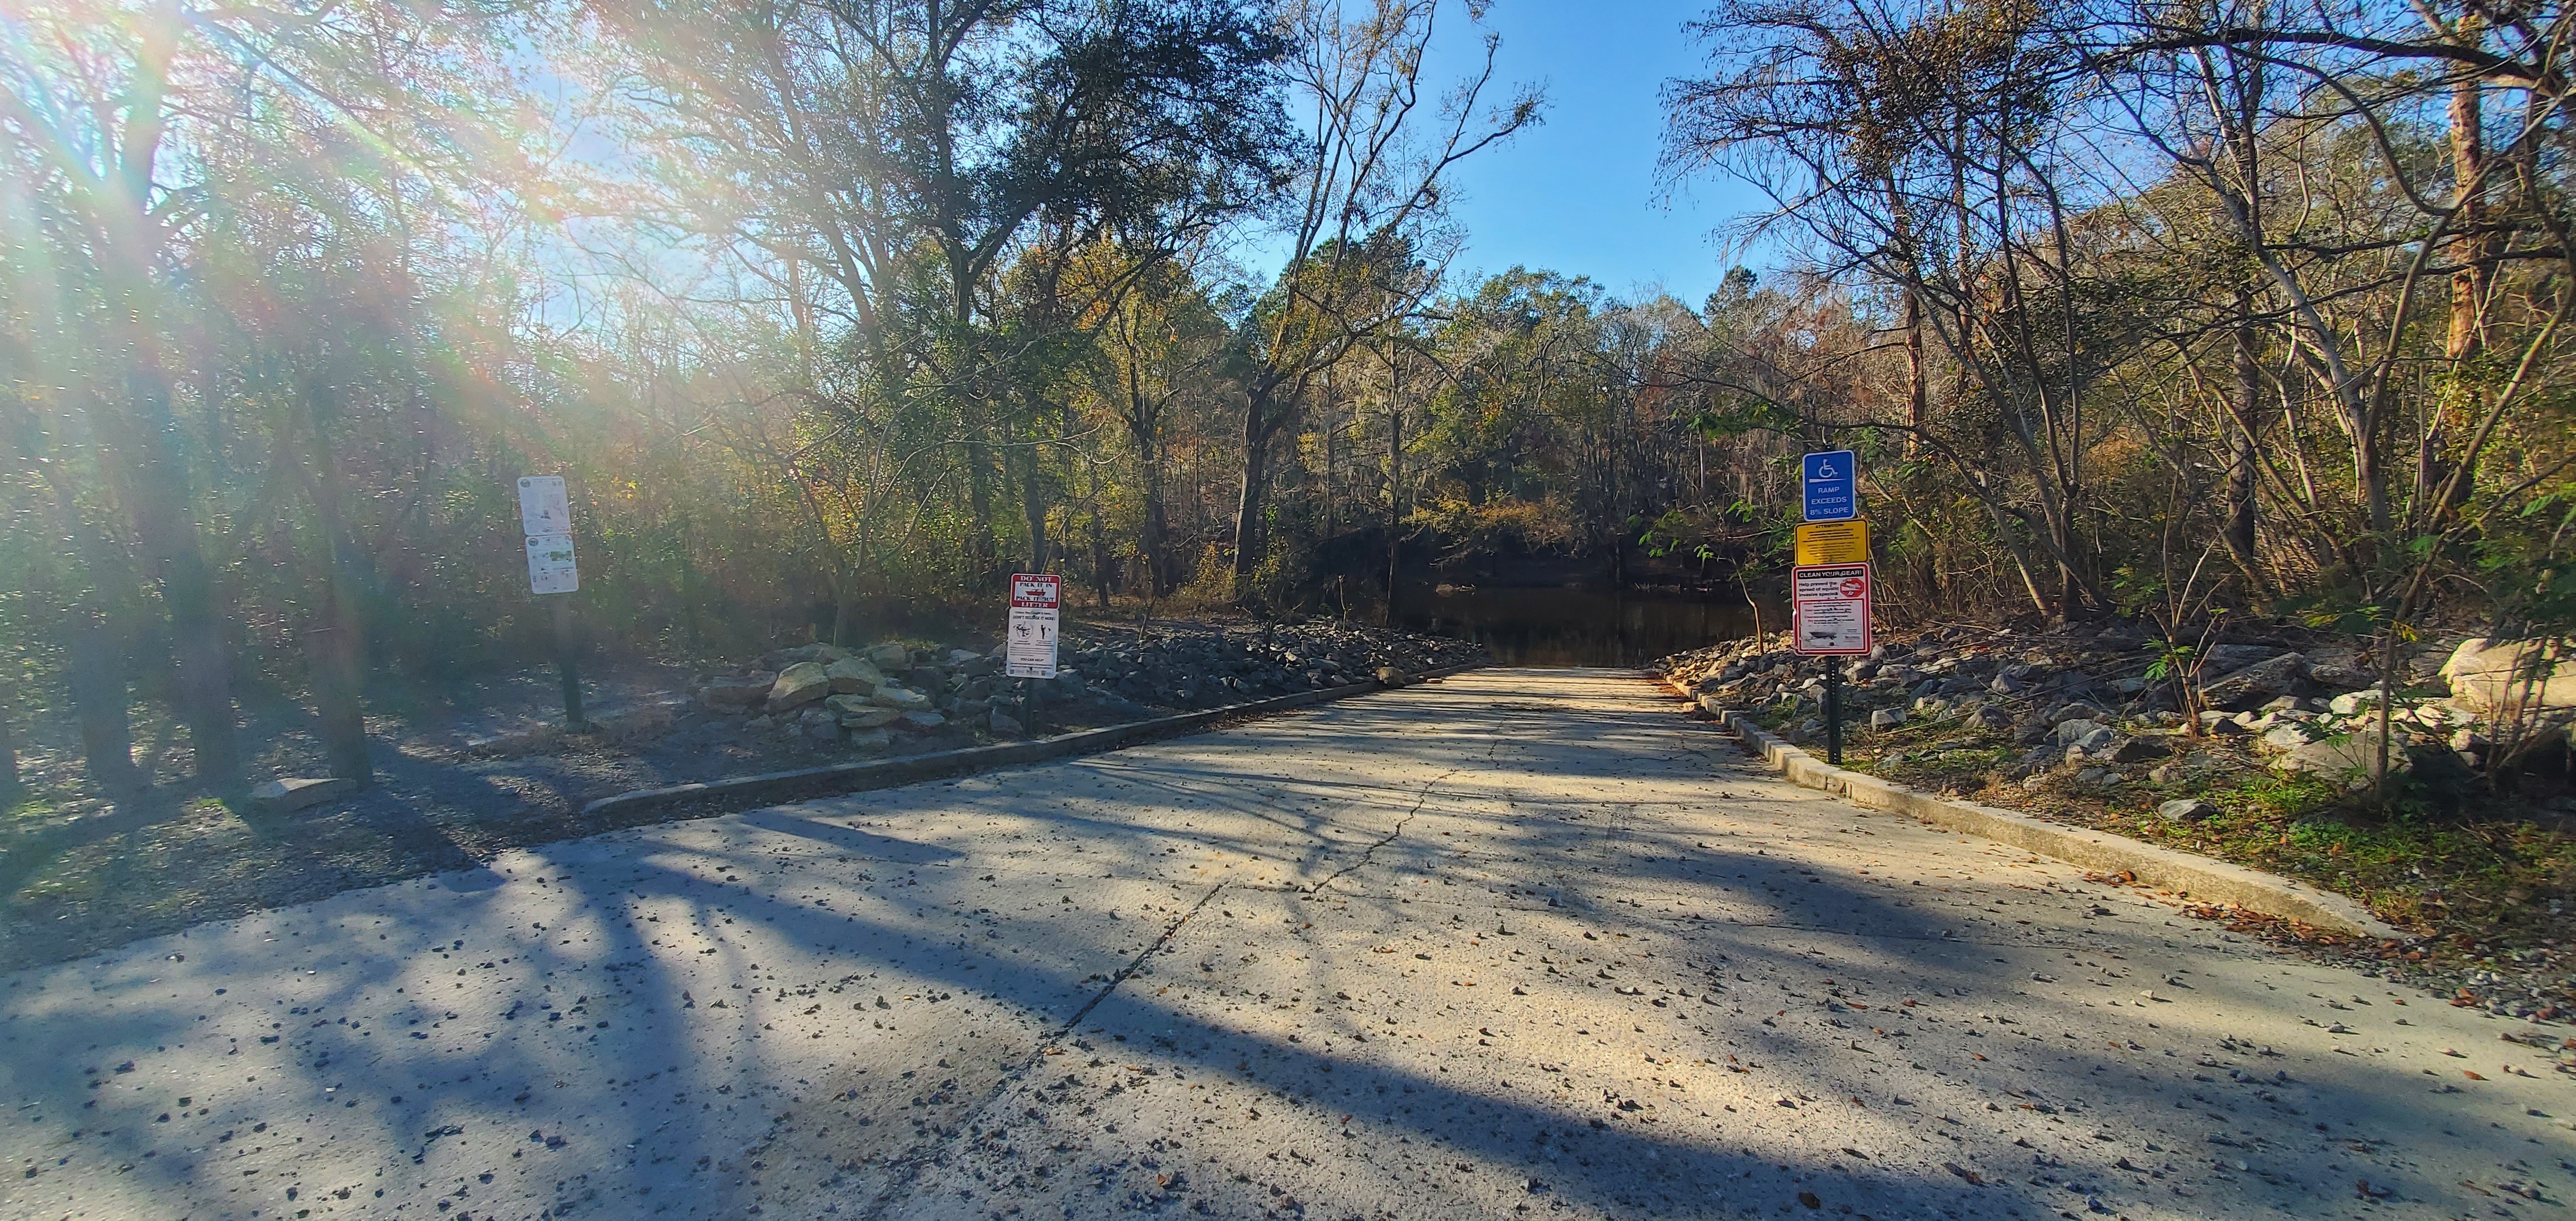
1834,711
567,663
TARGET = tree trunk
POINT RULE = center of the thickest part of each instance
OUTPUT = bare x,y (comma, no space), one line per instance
1250,538
1918,412
100,698
2244,472
166,529
1033,505
2475,249
1394,493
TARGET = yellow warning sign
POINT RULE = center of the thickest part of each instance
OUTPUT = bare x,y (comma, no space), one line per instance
1833,542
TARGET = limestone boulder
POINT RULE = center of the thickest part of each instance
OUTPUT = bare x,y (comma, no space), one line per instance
798,685
890,656
2077,731
296,793
868,717
2187,809
901,699
2350,757
2508,676
854,676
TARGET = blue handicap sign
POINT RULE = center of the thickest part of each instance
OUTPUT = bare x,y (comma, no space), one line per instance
1833,486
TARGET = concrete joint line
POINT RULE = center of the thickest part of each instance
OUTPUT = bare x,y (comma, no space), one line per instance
1370,853
2201,878
926,1153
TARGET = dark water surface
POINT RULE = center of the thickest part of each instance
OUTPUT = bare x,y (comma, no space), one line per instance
1580,627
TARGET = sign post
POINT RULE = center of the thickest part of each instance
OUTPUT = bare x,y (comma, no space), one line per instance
1030,649
1028,645
1830,618
545,517
1830,587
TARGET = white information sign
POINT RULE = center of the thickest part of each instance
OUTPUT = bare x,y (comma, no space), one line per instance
1029,650
550,564
545,516
1830,609
543,506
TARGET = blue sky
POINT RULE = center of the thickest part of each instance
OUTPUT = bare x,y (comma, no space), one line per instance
1580,195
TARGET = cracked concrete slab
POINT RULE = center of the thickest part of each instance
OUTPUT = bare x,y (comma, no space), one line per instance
1517,943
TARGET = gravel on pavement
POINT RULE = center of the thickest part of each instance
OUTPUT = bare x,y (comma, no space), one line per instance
1516,943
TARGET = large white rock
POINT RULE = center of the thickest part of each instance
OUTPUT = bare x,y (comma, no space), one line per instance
2510,675
798,685
853,676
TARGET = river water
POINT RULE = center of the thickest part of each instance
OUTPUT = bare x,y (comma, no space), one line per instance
1581,627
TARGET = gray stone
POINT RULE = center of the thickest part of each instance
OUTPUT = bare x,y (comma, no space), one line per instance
2351,757
2341,676
1006,726
2352,702
922,720
2288,735
296,793
869,718
2078,731
2229,658
854,676
2138,750
890,656
900,699
2186,809
868,739
1886,718
2257,684
1994,718
798,685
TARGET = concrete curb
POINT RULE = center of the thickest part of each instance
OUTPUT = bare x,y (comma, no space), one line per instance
2197,877
769,788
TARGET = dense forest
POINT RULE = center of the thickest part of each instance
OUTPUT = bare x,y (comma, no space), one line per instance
831,312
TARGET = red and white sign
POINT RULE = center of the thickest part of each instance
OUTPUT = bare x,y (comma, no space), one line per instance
1829,610
1039,589
1029,649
